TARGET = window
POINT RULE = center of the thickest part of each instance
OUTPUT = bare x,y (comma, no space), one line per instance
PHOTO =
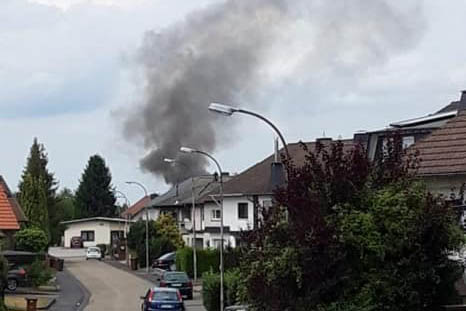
87,236
215,214
267,203
408,141
243,210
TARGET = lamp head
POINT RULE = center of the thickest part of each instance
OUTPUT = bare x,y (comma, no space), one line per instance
222,109
187,150
168,160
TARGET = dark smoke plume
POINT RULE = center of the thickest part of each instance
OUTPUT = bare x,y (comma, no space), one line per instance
222,53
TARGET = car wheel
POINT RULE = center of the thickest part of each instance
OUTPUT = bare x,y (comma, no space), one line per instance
12,285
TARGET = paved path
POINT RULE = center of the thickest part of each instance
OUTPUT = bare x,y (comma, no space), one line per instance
110,288
72,295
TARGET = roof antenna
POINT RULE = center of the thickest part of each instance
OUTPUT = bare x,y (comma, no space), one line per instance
323,134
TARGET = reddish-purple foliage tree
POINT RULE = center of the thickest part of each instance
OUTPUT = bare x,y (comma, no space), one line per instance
303,256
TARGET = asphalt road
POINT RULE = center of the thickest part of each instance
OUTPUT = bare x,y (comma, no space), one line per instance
112,288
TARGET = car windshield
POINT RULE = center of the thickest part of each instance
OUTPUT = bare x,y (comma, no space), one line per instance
165,296
168,256
93,250
176,277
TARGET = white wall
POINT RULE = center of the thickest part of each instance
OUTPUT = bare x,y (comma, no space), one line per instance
101,230
153,214
230,213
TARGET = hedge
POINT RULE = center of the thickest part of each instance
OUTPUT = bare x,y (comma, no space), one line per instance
31,240
211,289
207,260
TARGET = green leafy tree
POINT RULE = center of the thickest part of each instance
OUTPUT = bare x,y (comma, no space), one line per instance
347,234
36,169
31,240
95,196
33,200
137,240
166,227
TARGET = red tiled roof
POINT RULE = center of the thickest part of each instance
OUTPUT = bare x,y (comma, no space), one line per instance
444,151
8,219
136,207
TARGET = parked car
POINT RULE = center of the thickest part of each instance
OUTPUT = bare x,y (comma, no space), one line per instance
166,262
16,277
93,252
162,299
178,280
76,242
236,308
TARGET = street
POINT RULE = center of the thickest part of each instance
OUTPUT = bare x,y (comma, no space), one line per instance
112,288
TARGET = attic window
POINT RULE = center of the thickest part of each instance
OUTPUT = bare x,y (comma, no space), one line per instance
408,141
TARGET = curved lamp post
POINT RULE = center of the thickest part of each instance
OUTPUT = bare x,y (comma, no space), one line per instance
176,162
147,221
229,110
192,151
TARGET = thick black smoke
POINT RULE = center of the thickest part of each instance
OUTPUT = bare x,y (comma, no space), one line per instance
220,54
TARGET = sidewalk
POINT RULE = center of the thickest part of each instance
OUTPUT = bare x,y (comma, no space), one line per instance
73,295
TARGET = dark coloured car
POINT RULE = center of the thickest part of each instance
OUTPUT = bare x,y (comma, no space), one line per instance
157,299
16,277
165,262
76,242
178,280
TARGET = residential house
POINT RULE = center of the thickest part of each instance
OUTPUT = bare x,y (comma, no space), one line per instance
411,130
96,230
246,194
136,211
11,215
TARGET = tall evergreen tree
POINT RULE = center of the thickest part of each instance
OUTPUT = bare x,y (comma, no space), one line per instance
95,196
36,169
33,198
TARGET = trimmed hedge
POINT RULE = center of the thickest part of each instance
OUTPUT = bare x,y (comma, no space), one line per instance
211,289
207,260
31,240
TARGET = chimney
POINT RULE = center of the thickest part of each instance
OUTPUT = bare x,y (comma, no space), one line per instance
462,101
277,173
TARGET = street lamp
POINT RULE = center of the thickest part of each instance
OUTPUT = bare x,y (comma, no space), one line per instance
173,161
147,221
227,110
192,151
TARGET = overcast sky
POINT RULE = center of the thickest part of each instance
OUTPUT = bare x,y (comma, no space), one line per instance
67,75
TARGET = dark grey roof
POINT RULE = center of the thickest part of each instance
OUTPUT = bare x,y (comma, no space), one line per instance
181,194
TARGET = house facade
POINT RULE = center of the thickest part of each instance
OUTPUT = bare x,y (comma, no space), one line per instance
96,230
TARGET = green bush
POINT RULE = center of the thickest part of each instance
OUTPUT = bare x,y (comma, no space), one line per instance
211,289
207,260
232,286
39,273
160,246
31,240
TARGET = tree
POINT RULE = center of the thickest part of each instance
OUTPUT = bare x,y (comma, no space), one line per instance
33,200
36,168
95,196
137,240
346,234
31,240
167,228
